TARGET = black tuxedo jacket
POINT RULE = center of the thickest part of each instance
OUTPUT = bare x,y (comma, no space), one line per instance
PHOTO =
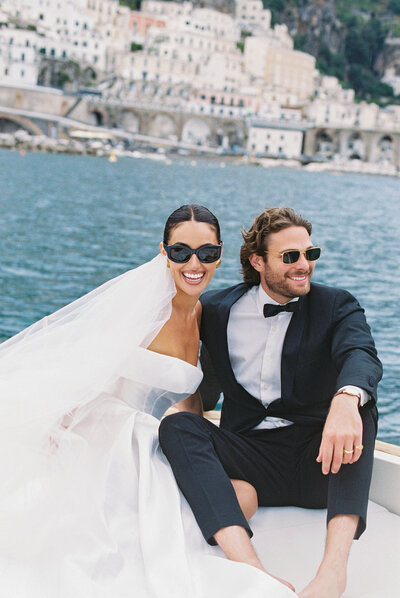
328,345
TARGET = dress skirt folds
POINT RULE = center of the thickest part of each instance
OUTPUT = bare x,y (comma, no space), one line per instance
89,507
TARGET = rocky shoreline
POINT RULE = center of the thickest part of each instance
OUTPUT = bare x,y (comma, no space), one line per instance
22,141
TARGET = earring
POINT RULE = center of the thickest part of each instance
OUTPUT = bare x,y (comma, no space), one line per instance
218,263
168,266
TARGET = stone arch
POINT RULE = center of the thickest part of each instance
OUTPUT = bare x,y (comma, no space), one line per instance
97,117
88,75
163,124
230,135
324,143
130,120
197,131
384,150
355,148
10,124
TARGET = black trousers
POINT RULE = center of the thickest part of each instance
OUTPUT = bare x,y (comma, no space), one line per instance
279,463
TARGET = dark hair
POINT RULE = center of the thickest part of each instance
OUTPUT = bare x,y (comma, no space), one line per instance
187,213
255,239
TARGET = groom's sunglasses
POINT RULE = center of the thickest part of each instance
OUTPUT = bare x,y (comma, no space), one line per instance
293,255
180,254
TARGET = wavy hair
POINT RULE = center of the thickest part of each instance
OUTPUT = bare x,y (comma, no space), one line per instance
255,240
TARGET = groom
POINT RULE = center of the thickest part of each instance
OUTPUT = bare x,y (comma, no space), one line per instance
298,369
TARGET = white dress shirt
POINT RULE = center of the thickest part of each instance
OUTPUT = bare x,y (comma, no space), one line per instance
255,348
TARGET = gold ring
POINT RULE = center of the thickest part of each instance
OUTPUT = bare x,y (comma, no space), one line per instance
348,452
359,447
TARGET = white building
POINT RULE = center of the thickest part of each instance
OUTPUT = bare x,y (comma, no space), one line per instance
334,106
392,77
252,15
256,49
275,141
19,62
166,9
197,48
88,31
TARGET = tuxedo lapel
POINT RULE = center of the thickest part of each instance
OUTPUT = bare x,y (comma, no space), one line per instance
223,311
291,347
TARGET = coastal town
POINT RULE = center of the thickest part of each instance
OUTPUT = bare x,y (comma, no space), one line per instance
95,76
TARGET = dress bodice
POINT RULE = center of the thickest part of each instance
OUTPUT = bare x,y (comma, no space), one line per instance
153,382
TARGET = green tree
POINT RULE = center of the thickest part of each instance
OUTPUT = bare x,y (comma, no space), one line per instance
133,4
136,47
330,63
394,6
277,5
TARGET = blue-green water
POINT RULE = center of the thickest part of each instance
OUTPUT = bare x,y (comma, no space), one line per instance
68,223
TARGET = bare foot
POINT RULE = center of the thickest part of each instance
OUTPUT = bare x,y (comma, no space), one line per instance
285,583
326,584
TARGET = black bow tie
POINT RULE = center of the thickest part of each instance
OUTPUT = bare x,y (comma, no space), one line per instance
273,310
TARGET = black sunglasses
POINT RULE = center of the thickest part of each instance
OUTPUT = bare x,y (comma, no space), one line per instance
292,256
181,254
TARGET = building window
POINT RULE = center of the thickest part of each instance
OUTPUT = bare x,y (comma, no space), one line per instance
267,148
22,73
22,57
41,17
52,52
6,71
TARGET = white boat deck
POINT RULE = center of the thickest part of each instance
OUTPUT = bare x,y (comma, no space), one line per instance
290,541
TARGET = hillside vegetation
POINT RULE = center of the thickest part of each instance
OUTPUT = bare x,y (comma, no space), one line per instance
347,39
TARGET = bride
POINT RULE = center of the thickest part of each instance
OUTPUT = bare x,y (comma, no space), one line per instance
89,507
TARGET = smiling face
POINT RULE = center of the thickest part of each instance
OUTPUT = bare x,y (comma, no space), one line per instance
284,282
193,276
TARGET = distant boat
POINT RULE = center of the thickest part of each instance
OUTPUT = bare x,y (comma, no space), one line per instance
112,157
147,155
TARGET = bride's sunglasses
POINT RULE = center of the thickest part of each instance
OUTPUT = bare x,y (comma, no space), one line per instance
180,254
293,255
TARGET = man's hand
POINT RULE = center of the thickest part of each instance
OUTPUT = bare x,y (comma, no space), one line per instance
342,432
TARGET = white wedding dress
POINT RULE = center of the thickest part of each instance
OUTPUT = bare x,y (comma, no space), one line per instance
89,507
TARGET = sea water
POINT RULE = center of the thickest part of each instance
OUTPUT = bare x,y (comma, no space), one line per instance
69,223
